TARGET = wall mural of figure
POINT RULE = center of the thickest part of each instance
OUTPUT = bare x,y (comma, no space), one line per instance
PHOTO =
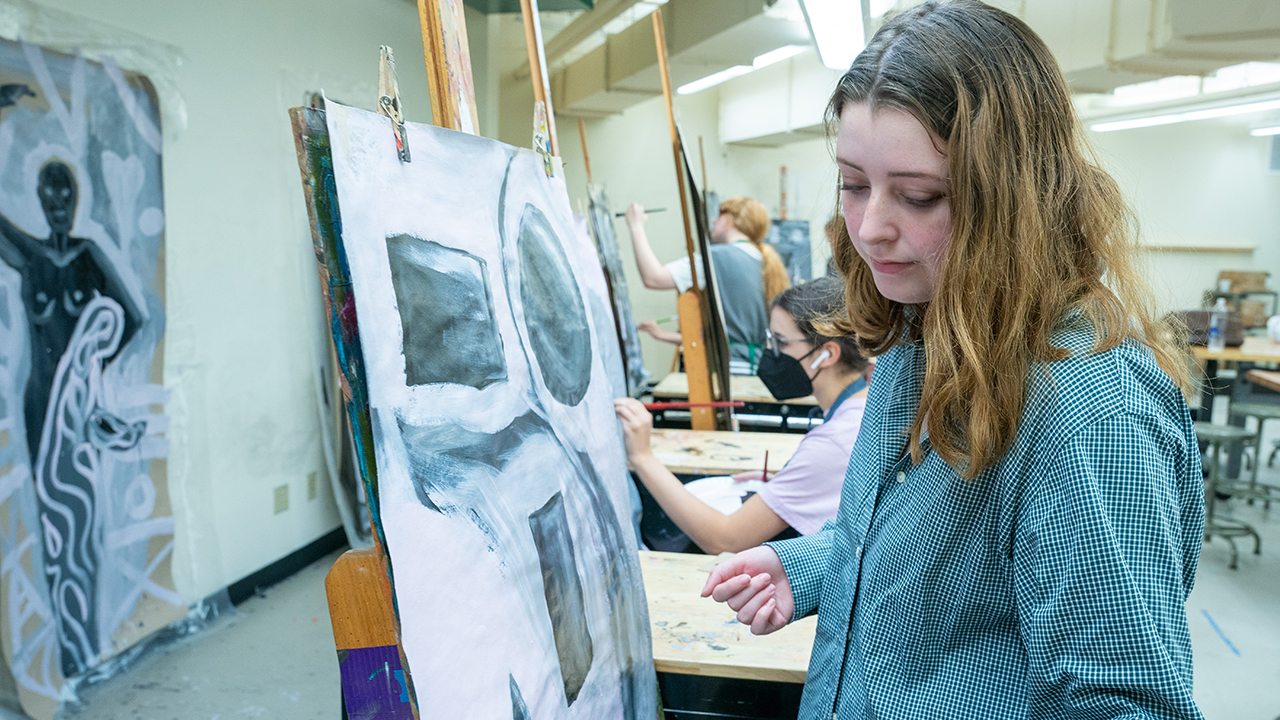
84,503
501,474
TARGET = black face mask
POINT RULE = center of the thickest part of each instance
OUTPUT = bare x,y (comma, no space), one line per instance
784,375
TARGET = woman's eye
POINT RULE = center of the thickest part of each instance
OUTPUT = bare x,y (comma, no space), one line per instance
852,187
923,202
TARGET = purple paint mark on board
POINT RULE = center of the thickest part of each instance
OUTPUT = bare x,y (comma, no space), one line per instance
373,685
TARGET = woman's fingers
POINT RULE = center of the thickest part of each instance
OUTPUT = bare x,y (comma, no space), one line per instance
747,613
764,621
722,590
758,583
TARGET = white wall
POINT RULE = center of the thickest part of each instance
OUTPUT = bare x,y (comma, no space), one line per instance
243,298
1198,183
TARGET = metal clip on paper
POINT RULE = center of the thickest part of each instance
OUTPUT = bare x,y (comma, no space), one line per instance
542,137
389,101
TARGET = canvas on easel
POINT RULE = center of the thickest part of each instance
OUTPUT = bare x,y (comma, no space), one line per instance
601,222
501,472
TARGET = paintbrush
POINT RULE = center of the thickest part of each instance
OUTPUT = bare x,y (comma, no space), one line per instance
687,405
666,320
764,476
647,210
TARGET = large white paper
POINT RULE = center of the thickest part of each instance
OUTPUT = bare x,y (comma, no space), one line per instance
501,470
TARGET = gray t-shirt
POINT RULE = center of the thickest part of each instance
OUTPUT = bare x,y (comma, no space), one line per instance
738,273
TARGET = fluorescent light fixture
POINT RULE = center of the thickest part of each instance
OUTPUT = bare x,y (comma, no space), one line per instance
1265,131
837,30
774,56
1186,116
760,61
713,79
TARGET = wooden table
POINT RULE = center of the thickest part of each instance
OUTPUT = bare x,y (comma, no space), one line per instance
1266,378
693,635
719,452
747,388
1254,349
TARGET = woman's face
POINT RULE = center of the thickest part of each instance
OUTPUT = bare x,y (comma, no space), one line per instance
788,337
893,188
721,228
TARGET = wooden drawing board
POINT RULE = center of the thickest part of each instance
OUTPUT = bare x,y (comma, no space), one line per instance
1254,349
693,635
718,452
747,388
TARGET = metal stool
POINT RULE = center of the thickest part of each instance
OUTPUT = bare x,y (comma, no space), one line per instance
1228,528
1255,490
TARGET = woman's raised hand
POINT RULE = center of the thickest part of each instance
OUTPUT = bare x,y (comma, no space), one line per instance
754,584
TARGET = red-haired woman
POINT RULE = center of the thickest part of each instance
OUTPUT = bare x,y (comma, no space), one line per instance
750,274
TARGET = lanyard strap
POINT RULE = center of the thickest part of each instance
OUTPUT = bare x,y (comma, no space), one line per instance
854,387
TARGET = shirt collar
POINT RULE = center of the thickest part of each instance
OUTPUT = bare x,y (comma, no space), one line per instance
845,394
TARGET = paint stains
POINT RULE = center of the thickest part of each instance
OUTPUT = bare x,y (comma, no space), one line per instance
519,710
373,683
554,313
450,330
563,591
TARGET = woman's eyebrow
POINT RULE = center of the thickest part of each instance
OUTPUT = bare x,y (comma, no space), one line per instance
901,174
918,175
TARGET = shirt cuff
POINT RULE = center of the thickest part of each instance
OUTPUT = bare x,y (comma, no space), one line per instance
805,561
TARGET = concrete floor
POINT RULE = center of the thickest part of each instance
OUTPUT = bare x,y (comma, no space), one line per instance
272,659
275,657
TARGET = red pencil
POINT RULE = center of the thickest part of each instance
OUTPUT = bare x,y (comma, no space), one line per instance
687,405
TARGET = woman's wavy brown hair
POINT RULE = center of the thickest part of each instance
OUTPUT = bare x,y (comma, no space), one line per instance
1037,228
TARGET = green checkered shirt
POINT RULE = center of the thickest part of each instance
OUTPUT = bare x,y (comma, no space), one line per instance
1051,586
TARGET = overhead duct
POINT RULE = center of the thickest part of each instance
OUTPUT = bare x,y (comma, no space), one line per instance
703,37
1103,44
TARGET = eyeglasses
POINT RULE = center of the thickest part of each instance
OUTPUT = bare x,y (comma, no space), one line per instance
778,344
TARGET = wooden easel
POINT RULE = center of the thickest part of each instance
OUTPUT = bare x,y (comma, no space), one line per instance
361,601
702,337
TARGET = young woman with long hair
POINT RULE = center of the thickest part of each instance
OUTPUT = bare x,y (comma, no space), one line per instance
749,271
1021,517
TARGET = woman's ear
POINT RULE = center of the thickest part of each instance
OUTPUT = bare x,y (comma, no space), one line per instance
828,355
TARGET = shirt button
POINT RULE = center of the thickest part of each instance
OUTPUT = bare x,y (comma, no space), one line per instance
902,476
858,552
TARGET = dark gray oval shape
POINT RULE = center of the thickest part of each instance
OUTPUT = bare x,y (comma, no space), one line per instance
554,313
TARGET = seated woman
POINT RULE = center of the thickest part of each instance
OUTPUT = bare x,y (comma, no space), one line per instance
803,495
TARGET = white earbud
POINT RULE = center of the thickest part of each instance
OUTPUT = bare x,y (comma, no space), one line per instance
821,356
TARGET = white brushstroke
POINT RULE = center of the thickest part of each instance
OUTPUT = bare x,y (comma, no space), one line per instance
141,122
73,119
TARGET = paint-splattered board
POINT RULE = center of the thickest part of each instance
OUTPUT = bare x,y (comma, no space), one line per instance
693,635
747,388
718,452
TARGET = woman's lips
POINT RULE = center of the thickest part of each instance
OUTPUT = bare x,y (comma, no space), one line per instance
889,268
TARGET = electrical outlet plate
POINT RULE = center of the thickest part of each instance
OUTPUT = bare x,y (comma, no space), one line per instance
312,490
281,498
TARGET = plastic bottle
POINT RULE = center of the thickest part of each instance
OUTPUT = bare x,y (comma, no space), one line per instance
1218,327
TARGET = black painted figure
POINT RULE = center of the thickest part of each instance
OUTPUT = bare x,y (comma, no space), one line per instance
61,276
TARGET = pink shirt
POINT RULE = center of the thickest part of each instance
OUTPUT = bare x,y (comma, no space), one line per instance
806,492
